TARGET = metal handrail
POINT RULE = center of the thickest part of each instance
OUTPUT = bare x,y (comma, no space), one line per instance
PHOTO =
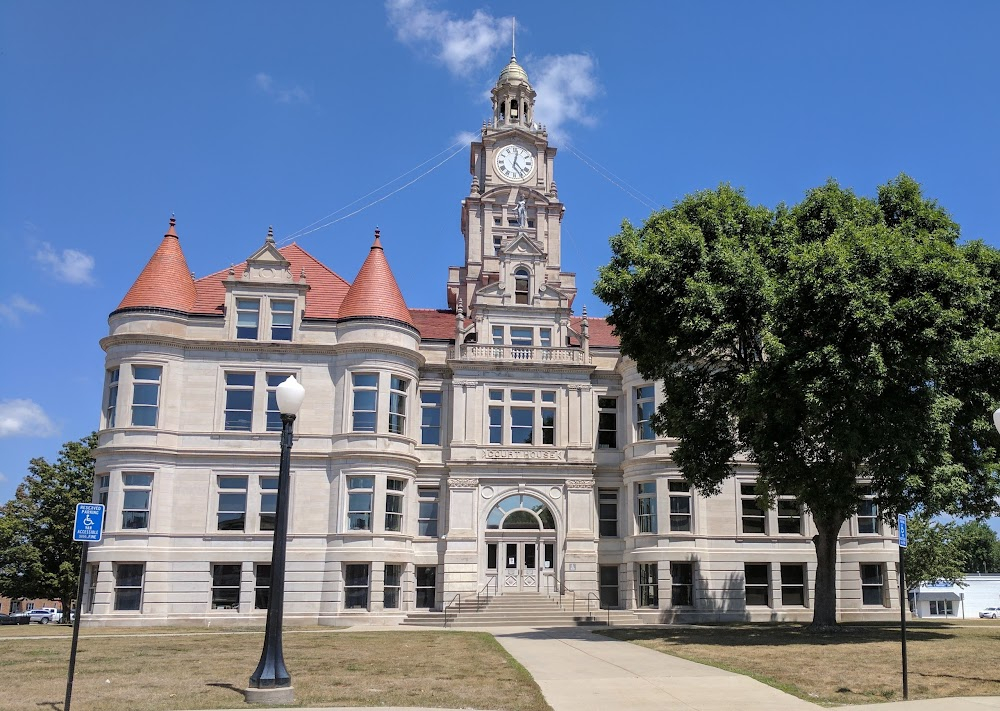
458,599
562,591
495,580
593,595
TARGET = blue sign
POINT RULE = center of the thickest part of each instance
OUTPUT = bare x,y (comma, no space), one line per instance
89,522
901,528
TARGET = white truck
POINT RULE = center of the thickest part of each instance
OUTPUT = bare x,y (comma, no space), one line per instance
45,615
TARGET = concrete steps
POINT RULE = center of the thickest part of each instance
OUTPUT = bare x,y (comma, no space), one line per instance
521,610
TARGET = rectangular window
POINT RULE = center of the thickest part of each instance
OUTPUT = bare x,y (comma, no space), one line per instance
427,515
522,419
758,584
145,394
545,337
681,584
282,317
872,592
680,505
793,584
942,607
135,505
356,586
548,417
102,483
392,585
645,506
426,586
430,417
268,502
649,585
394,504
128,586
521,336
549,556
365,401
239,401
232,514
273,413
397,404
497,333
752,514
496,425
247,318
643,411
789,515
360,490
607,423
262,586
491,556
607,512
226,586
609,587
91,586
497,239
868,513
112,406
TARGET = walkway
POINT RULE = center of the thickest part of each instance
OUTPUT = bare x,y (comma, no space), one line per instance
581,671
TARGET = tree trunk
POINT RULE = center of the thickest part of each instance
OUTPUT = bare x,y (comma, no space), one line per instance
825,606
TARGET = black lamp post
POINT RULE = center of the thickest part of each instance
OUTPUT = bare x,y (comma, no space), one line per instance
271,680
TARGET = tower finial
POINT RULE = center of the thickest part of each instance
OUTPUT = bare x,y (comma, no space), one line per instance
513,33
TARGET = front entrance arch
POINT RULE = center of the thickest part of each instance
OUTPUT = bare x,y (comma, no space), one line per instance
520,544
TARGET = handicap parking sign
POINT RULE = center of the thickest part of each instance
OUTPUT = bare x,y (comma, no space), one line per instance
89,522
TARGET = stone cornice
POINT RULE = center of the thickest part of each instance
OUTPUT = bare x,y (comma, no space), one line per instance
246,346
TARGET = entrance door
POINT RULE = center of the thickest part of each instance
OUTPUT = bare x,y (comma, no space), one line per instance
520,566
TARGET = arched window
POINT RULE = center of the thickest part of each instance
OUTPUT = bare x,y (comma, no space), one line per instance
513,109
521,279
521,512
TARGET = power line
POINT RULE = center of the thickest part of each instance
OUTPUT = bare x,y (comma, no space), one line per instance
315,226
615,180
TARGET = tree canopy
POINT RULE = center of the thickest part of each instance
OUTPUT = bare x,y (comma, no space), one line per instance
38,558
842,344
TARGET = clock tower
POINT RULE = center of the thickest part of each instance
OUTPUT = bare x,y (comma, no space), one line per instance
512,217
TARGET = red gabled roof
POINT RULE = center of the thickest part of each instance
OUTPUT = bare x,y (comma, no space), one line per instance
165,282
601,334
327,290
375,292
434,324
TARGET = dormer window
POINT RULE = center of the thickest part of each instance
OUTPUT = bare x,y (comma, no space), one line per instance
247,318
521,279
282,315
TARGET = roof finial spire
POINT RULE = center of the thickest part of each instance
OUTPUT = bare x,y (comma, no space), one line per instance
270,233
513,33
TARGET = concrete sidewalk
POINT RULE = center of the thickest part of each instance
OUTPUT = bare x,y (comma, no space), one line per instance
581,671
578,670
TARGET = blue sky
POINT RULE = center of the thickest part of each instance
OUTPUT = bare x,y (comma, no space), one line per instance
236,116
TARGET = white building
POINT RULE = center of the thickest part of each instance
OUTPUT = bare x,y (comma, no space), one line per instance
499,445
941,600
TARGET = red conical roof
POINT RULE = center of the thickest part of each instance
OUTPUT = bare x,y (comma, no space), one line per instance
166,281
374,292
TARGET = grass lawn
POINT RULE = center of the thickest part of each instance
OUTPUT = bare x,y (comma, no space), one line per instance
151,669
859,664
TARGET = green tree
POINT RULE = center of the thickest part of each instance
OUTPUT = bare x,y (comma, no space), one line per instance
38,558
840,344
980,547
934,552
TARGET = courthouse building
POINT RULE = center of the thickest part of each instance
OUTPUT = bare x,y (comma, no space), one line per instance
498,446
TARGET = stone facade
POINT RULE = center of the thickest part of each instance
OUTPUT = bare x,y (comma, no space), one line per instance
500,445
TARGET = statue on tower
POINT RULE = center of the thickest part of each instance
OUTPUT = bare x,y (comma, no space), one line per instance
522,211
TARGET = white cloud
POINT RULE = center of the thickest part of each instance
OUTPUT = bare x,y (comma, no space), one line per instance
282,94
71,266
566,86
24,418
465,137
461,45
12,308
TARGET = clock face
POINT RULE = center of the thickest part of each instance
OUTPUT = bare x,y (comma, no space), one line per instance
515,163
